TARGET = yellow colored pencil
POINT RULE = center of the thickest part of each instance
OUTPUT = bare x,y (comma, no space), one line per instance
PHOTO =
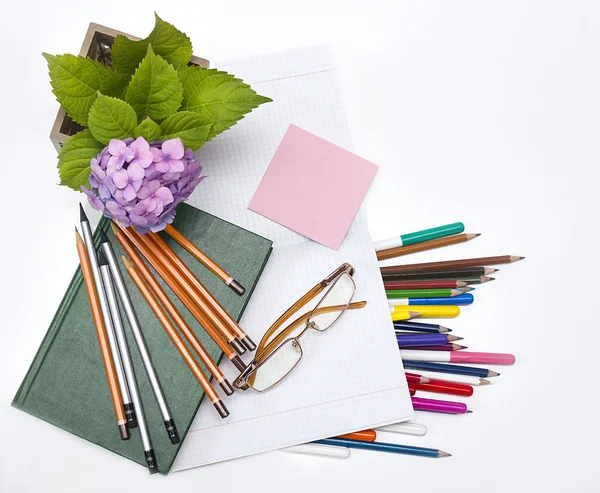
425,311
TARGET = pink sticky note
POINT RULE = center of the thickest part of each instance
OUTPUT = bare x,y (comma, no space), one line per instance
313,187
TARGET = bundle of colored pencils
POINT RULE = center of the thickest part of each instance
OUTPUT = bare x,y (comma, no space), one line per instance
429,352
104,285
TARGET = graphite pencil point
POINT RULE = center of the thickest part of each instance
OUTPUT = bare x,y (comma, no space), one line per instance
82,215
103,237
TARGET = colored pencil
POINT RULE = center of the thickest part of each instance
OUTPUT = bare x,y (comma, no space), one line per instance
363,436
425,245
435,377
439,284
452,264
401,273
408,315
469,281
444,388
158,292
438,406
425,293
385,447
413,326
107,359
209,263
468,357
175,281
406,428
441,347
318,450
412,392
408,340
445,368
425,311
198,292
412,378
176,339
419,236
462,299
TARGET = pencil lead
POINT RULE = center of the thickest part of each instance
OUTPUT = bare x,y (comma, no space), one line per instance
458,347
493,373
82,215
452,338
103,237
441,453
78,237
469,412
477,234
444,329
483,381
102,258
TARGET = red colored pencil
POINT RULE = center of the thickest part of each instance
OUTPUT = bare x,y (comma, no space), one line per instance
414,378
434,284
440,347
441,387
411,391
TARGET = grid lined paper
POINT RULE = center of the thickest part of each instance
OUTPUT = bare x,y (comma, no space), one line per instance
351,376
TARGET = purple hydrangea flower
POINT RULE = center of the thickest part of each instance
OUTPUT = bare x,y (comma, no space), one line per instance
140,184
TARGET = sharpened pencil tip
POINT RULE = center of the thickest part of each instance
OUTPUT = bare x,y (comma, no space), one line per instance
469,412
493,373
477,234
103,237
126,261
82,215
78,237
441,453
413,315
444,329
483,381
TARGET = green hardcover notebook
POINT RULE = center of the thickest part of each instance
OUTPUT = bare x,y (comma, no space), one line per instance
66,383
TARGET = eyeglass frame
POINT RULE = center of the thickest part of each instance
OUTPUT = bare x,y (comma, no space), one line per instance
271,348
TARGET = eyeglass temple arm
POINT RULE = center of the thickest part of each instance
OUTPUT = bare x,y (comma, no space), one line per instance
265,349
345,267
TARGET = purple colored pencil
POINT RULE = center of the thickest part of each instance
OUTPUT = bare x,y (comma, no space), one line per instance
411,340
438,406
441,347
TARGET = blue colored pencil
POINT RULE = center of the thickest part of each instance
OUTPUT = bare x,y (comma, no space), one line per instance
461,299
385,447
411,326
450,368
410,340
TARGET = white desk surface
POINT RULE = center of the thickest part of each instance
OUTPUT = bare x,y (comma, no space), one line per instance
481,112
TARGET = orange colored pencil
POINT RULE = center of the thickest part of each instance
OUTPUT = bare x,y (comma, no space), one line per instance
204,298
125,236
109,365
209,263
184,327
176,339
425,245
363,436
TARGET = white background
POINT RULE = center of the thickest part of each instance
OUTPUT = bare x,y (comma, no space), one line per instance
481,112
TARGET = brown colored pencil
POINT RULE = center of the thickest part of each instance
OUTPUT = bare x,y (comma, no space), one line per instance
209,263
425,245
176,339
175,281
228,326
157,290
451,264
109,365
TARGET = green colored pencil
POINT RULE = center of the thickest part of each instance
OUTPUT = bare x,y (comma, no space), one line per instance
426,293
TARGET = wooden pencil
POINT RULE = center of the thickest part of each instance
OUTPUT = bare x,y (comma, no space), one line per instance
173,280
176,339
157,291
426,245
229,325
392,271
452,264
107,359
209,263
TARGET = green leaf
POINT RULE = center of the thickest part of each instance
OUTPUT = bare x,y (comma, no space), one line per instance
167,41
218,97
148,129
154,90
111,118
189,127
77,80
74,159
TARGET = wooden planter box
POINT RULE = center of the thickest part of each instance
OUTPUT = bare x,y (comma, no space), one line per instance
97,45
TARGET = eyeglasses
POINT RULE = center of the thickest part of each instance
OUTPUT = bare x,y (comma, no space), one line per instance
279,351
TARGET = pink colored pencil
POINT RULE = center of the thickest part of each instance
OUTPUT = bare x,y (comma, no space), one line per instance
438,406
458,357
